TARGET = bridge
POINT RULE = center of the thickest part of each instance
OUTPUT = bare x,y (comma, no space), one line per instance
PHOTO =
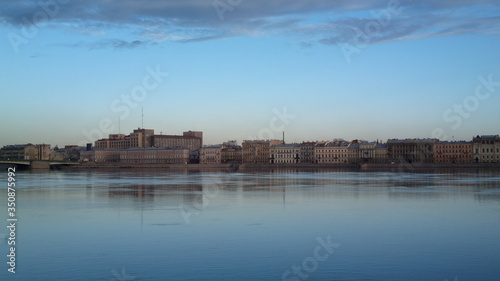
38,164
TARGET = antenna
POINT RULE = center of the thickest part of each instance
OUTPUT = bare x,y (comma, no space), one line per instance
142,124
283,137
119,124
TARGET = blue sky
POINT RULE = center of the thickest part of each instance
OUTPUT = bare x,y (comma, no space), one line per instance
244,69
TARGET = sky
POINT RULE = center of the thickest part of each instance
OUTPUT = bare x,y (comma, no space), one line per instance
74,71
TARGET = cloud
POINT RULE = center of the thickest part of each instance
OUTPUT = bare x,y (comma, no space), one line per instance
117,44
314,22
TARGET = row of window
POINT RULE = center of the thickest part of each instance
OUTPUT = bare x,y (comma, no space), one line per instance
488,150
453,151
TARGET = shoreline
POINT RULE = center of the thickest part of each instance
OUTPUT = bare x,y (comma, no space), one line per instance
396,167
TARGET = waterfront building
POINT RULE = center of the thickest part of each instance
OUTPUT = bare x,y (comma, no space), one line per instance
194,157
141,138
227,152
307,152
257,151
367,152
411,150
353,154
284,153
453,152
231,152
486,149
211,154
115,141
106,155
154,155
190,140
142,155
26,152
146,138
381,153
19,152
331,152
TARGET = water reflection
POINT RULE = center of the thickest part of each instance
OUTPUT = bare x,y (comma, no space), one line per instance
256,224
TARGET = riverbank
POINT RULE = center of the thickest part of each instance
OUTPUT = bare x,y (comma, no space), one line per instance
396,167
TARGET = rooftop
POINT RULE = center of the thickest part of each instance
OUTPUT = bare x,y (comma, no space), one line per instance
287,145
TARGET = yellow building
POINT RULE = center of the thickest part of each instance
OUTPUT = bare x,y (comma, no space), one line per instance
381,153
115,141
257,151
486,149
331,152
284,153
154,155
190,140
141,138
227,152
211,154
146,138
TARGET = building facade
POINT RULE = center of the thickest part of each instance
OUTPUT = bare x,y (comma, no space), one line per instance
331,153
486,149
284,154
307,152
154,155
190,140
353,152
411,150
141,138
115,141
257,151
106,155
367,152
228,152
453,152
231,152
27,152
381,153
211,154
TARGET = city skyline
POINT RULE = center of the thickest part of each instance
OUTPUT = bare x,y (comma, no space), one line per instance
249,70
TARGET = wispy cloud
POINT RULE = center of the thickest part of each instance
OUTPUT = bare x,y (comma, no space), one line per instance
117,44
312,22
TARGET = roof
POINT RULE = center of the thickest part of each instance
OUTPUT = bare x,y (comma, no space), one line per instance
453,142
487,137
213,146
258,141
144,149
122,139
175,137
411,140
15,146
287,145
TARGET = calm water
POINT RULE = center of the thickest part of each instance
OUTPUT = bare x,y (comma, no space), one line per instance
283,225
